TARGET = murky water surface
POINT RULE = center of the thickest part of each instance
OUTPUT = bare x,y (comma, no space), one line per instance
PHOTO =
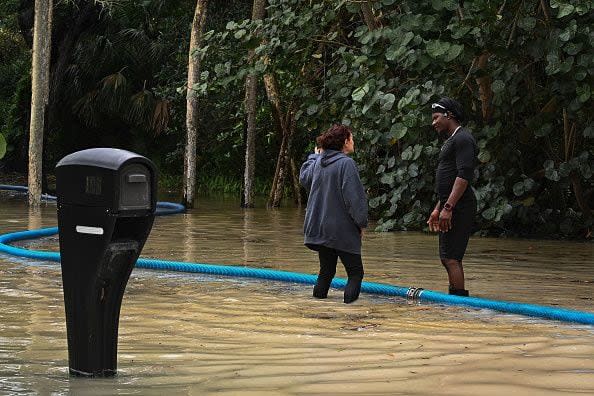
194,334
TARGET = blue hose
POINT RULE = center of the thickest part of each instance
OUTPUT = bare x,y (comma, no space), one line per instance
24,189
561,314
163,208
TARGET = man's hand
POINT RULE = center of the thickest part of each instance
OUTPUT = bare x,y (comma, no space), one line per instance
433,221
445,220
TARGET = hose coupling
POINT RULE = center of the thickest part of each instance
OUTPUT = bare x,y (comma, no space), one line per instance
414,293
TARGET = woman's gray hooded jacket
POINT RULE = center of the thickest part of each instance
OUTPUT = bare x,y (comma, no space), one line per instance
337,203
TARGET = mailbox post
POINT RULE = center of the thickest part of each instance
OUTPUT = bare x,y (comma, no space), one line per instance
106,208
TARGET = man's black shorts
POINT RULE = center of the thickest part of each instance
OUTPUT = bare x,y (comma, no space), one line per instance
452,244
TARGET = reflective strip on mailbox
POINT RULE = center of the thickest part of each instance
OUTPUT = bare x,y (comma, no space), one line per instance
89,230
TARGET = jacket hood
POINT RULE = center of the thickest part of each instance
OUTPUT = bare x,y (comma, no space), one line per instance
331,156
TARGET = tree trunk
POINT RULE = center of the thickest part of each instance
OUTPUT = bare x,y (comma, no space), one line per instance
296,185
484,84
569,144
272,94
278,183
580,197
285,124
39,95
369,17
290,162
283,163
251,85
189,183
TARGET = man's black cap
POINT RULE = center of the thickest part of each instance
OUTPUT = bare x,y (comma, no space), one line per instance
451,106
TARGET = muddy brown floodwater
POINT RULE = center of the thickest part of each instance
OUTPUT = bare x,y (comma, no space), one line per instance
193,334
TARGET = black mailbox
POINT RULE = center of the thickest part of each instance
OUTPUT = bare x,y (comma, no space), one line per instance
106,208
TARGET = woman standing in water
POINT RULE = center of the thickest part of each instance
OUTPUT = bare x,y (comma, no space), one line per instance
336,210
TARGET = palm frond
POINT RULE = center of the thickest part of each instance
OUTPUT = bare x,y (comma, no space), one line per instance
157,50
113,91
134,34
160,116
141,106
95,55
86,109
72,81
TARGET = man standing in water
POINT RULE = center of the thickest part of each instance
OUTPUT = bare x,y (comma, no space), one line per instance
453,215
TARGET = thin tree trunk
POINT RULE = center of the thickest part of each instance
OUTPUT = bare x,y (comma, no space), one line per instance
296,185
290,162
278,183
39,95
570,141
484,84
272,94
189,183
83,19
369,17
284,122
251,85
580,197
283,163
274,179
545,10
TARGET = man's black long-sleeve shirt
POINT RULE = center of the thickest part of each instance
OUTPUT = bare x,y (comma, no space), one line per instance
458,158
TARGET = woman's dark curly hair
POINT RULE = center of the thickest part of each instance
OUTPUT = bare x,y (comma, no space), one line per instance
334,137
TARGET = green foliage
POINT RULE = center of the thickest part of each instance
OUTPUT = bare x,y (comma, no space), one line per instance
208,184
535,133
14,69
381,82
120,87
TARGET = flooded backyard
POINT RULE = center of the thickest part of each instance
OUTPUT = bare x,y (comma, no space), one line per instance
193,334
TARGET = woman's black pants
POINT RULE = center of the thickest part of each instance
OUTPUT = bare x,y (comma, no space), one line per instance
354,269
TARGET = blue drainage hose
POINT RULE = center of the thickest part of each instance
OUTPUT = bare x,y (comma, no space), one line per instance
565,315
24,189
